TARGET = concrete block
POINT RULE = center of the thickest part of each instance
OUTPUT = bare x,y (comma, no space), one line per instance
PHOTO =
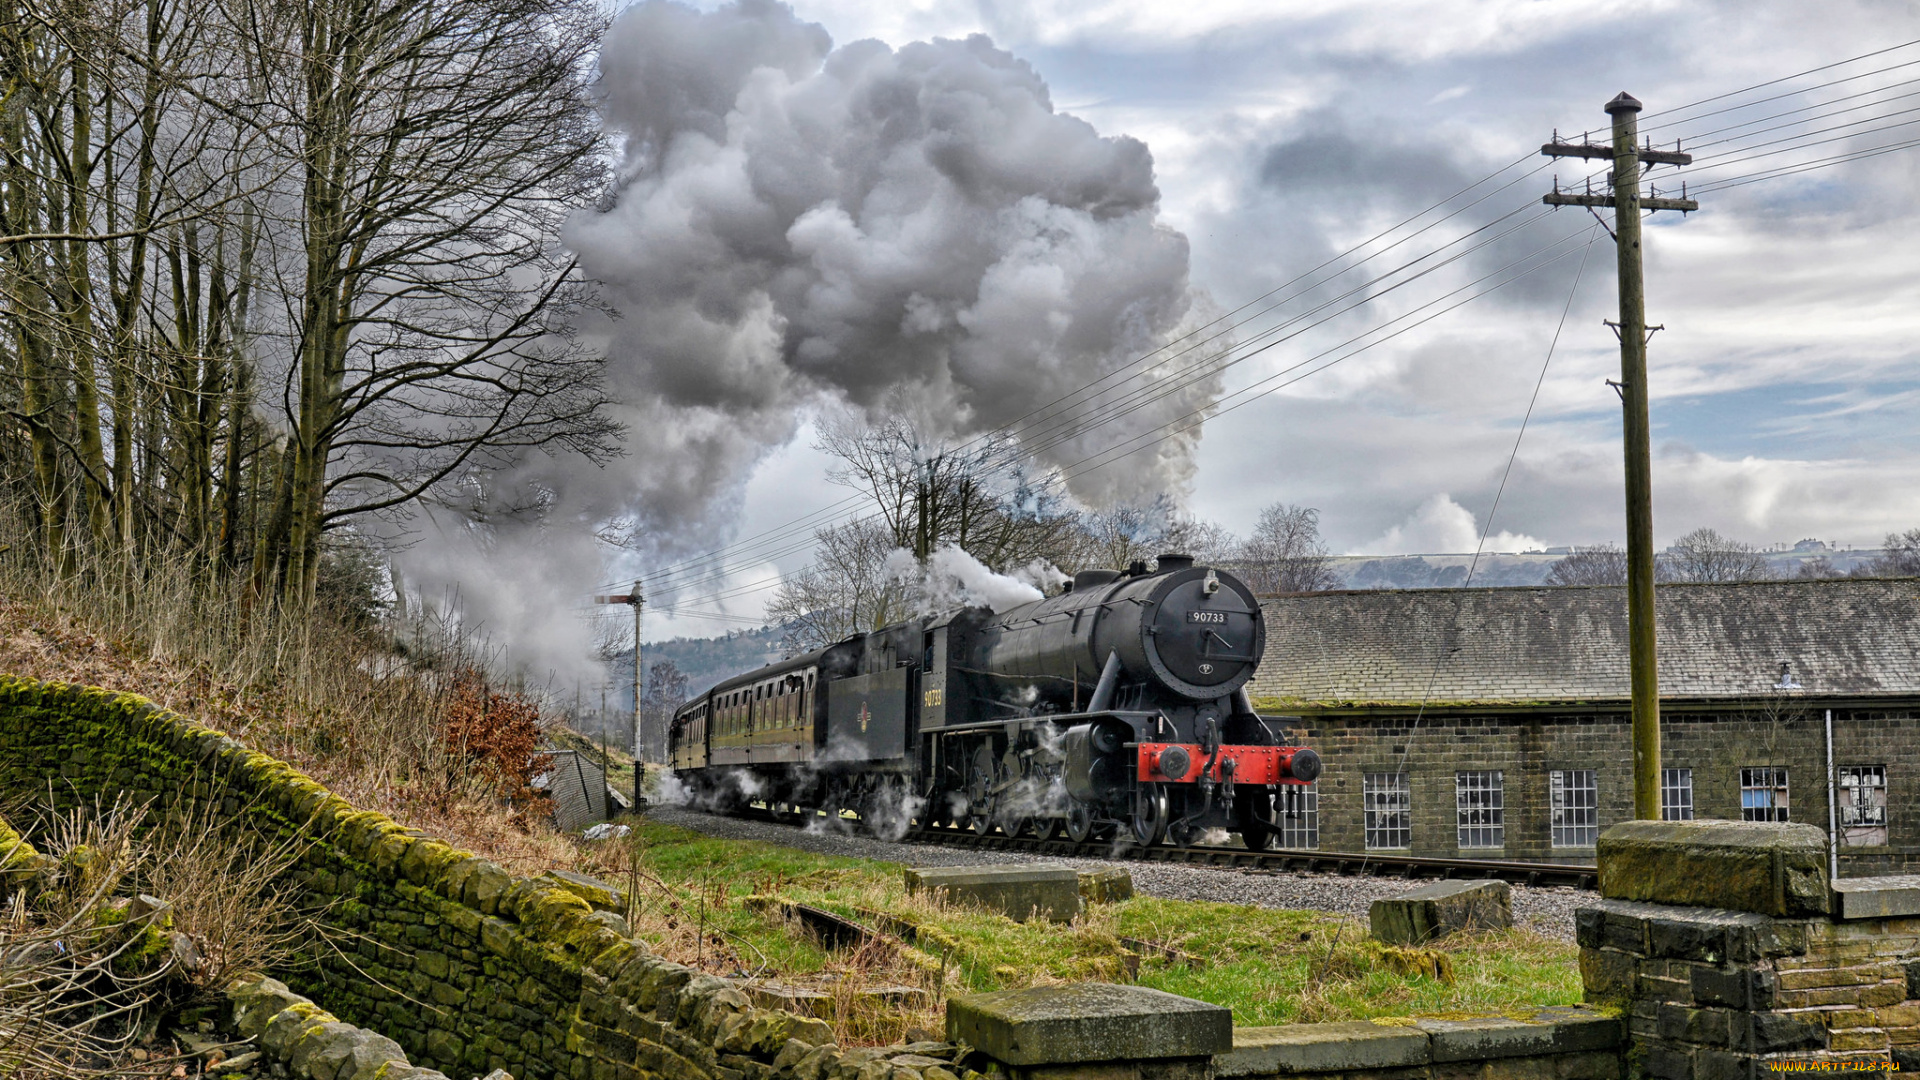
1771,868
1441,908
1877,897
1020,892
1057,1025
1321,1048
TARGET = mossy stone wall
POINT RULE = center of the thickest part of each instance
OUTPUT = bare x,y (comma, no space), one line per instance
463,965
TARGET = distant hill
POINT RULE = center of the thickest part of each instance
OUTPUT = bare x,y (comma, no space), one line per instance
1531,567
705,661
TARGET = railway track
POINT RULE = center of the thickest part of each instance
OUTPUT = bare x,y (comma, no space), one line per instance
1348,863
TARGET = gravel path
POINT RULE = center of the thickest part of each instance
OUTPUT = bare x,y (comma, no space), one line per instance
1548,910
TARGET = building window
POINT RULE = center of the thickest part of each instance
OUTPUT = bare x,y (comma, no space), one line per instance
1863,805
1763,793
1576,807
1482,809
1676,794
1296,815
1388,803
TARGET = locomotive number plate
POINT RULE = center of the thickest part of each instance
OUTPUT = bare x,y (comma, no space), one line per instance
1219,617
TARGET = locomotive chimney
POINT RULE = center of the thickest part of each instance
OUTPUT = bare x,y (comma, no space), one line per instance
1173,561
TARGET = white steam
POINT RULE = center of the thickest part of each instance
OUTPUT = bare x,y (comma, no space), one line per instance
952,578
794,225
797,222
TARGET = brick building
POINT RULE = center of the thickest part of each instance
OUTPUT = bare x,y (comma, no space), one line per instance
1494,722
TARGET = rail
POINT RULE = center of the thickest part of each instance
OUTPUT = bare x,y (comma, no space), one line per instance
1348,863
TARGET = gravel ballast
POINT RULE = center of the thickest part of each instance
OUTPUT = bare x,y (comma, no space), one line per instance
1548,910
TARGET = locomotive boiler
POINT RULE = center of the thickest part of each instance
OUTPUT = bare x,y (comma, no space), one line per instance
1117,707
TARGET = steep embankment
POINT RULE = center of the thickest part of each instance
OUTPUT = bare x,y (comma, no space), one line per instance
41,641
464,965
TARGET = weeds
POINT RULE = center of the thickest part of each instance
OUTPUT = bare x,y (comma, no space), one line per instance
135,915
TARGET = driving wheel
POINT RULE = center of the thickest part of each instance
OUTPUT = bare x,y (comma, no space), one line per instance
1150,815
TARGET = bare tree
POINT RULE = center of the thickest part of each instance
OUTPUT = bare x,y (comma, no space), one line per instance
931,492
845,591
1285,553
1703,555
338,219
1901,557
1601,564
440,146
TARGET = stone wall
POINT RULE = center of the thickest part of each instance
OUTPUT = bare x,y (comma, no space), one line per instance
1733,955
466,967
1526,743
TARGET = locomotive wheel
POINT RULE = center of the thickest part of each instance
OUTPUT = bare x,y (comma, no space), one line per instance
981,822
1150,816
1079,823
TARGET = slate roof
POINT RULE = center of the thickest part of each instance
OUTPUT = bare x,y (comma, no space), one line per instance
1845,637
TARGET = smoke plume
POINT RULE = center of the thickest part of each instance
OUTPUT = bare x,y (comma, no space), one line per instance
797,225
797,222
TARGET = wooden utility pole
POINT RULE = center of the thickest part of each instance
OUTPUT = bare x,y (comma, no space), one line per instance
1627,203
635,600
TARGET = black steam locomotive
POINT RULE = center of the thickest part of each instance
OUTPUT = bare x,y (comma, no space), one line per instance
1116,708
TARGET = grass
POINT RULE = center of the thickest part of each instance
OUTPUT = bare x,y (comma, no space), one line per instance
1268,966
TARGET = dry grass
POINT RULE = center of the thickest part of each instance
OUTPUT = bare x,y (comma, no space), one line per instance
90,968
356,708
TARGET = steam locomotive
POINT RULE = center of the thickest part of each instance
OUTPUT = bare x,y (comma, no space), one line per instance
1115,708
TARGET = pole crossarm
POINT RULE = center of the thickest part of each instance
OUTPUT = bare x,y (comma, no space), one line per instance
1648,156
1647,202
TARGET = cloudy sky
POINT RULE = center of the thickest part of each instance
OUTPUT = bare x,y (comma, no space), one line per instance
1784,388
1276,136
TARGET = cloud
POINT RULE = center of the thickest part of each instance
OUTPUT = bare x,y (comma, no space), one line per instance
1440,526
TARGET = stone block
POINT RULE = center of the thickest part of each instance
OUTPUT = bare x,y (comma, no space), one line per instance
1607,975
598,894
1318,1048
1770,868
1549,1031
1734,987
256,1001
1772,1032
1020,892
1083,1022
1877,897
1108,885
1441,908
